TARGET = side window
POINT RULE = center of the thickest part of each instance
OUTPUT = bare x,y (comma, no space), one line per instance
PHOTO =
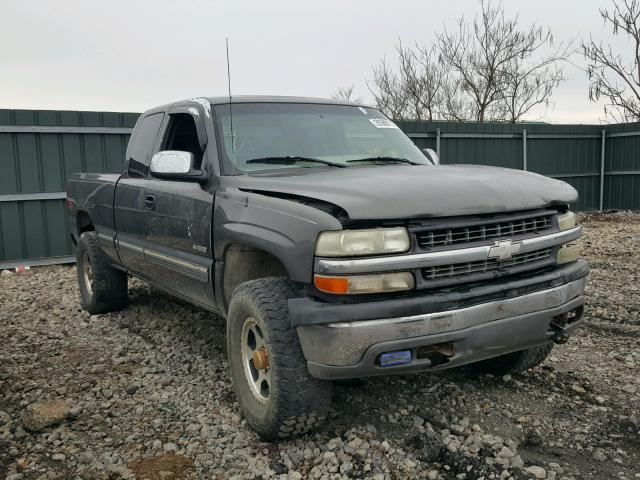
142,145
182,135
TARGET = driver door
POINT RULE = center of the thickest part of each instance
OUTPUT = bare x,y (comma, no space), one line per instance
178,217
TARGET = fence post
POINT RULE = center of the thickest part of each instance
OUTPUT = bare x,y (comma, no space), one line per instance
438,142
524,149
601,204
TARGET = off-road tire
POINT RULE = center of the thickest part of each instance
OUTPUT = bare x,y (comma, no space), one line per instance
297,402
515,362
108,291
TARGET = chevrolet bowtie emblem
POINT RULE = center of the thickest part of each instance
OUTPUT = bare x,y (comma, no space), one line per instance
504,249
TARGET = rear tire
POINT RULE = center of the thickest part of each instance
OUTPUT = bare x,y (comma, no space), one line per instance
515,362
102,288
277,395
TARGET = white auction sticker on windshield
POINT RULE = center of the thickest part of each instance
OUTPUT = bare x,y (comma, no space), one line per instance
382,123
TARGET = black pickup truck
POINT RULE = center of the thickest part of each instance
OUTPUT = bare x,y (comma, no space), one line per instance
334,247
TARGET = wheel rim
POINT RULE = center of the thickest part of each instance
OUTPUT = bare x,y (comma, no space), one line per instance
88,273
255,360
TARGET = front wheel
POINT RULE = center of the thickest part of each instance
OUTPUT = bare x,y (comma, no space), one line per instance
277,395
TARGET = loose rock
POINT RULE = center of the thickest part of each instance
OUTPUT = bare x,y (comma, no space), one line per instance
536,472
38,416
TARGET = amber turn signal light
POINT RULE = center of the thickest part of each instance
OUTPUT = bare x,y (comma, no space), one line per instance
384,282
332,284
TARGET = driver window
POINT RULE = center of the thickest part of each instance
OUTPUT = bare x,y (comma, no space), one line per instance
181,134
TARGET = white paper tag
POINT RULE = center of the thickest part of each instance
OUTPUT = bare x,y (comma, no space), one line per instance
382,123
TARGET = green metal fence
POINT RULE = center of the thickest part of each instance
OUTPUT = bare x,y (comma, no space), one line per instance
601,161
40,149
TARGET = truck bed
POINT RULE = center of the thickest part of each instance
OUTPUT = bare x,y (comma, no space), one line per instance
92,193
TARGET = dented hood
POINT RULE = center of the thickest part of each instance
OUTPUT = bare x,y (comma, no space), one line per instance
405,191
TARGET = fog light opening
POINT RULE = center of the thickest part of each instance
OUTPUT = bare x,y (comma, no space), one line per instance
559,324
558,334
567,318
574,315
438,353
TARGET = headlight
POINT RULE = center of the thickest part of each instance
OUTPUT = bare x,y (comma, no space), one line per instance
566,220
569,252
351,243
347,285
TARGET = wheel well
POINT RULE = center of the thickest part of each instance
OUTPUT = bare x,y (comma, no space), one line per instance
84,222
243,263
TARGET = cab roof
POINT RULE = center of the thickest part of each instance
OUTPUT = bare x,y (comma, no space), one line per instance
279,99
236,99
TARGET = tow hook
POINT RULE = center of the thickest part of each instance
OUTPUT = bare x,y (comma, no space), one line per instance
560,335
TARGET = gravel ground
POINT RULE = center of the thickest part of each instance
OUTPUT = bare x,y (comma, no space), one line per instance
145,393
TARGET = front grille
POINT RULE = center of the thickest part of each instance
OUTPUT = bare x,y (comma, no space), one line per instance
472,269
477,230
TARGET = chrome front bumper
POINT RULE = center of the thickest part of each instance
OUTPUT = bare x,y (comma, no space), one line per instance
477,332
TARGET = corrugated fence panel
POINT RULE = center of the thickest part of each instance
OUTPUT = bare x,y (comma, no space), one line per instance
587,188
622,192
563,149
500,151
497,152
37,161
34,161
623,147
457,144
10,225
622,188
569,152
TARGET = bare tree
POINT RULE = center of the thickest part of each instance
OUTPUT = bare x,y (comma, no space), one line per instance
613,77
496,68
345,94
530,85
423,79
489,69
415,89
388,92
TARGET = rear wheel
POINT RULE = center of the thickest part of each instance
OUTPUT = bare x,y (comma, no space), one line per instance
102,288
515,362
277,395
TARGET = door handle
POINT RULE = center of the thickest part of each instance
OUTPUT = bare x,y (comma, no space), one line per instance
150,202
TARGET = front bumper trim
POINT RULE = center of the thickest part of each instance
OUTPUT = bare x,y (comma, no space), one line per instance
351,349
309,311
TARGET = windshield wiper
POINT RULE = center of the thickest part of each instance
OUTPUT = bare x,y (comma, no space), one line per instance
291,159
385,159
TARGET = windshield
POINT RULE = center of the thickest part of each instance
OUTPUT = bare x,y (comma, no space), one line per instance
276,136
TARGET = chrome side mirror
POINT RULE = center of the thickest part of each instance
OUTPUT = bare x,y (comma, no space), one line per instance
174,164
431,154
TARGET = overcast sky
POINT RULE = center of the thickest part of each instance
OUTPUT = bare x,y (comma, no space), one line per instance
130,55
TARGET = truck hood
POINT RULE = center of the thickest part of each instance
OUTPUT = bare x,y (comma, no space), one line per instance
405,191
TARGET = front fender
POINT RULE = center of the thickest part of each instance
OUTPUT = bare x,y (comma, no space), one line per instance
284,228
